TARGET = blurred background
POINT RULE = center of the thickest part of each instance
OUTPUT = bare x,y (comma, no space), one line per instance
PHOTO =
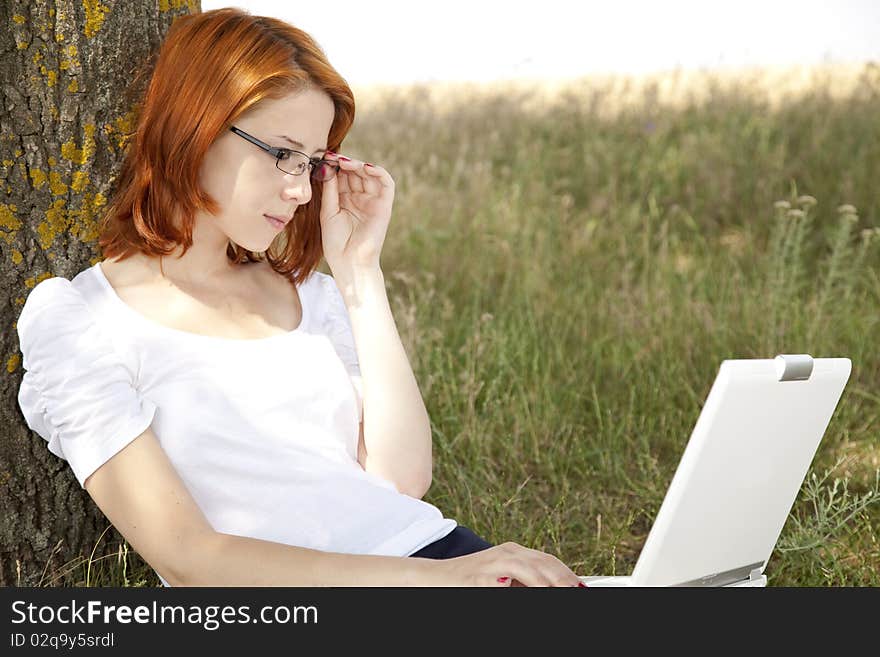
393,41
597,203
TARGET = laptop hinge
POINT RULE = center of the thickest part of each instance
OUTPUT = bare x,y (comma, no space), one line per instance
793,367
728,576
755,574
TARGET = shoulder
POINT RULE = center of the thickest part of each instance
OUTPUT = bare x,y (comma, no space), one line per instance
57,325
52,300
124,273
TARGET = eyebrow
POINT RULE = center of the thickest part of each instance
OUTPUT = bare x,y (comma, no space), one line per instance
299,145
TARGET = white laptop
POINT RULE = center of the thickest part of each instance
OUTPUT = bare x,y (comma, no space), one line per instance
740,473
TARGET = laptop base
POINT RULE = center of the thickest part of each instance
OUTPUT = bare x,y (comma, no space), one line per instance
617,581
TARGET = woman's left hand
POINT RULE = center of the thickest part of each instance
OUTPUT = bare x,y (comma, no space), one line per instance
355,213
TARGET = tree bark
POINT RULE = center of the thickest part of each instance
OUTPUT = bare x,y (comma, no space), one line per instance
71,76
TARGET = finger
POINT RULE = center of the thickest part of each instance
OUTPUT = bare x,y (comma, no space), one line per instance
348,181
330,191
557,574
341,179
380,174
528,574
555,570
541,569
373,178
344,186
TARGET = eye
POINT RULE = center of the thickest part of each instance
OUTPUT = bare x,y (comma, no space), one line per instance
283,154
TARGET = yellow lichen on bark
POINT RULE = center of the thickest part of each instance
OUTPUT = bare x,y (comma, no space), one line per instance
38,176
168,5
95,13
70,60
80,156
84,220
55,223
57,186
10,224
124,125
34,280
80,181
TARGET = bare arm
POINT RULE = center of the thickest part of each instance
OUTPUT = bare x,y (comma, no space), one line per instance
243,561
396,429
141,493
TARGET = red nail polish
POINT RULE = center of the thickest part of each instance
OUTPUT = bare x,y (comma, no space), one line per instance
582,584
329,153
503,579
347,159
367,164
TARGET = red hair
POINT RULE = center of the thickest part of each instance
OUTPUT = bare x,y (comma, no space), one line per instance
212,67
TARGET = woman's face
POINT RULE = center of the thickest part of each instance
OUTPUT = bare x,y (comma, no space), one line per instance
243,178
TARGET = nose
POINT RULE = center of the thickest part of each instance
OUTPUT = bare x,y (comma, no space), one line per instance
298,188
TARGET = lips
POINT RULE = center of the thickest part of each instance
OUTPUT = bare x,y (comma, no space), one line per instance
283,220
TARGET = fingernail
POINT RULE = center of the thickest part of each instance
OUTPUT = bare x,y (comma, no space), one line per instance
342,157
330,153
367,164
503,579
582,584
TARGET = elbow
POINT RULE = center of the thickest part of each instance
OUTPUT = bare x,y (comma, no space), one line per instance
418,488
189,568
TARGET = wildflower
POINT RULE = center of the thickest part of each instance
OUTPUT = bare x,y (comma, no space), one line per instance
867,234
846,209
807,200
794,214
782,205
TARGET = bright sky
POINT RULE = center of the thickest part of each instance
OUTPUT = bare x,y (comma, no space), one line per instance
396,41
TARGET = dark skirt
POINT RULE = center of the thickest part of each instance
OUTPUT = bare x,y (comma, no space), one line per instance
458,542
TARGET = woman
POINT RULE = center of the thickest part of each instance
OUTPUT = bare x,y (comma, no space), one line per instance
203,381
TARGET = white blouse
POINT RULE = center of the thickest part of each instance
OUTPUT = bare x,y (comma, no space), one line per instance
263,431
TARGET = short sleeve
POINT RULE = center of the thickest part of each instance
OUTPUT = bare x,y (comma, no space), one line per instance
338,328
76,393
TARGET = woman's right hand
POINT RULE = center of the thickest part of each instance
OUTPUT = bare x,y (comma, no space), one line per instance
508,564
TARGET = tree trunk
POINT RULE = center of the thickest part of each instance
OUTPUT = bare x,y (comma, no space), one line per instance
69,75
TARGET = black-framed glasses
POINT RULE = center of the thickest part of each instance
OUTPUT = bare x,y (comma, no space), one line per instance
294,162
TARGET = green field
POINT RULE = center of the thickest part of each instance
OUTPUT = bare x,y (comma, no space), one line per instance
568,270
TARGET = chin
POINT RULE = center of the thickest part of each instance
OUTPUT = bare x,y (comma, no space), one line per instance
253,244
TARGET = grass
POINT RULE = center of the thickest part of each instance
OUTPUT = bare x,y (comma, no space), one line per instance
568,268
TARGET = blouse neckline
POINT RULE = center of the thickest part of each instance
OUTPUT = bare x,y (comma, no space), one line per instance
189,335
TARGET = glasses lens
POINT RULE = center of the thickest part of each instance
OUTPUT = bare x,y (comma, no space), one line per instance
324,170
295,164
292,163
